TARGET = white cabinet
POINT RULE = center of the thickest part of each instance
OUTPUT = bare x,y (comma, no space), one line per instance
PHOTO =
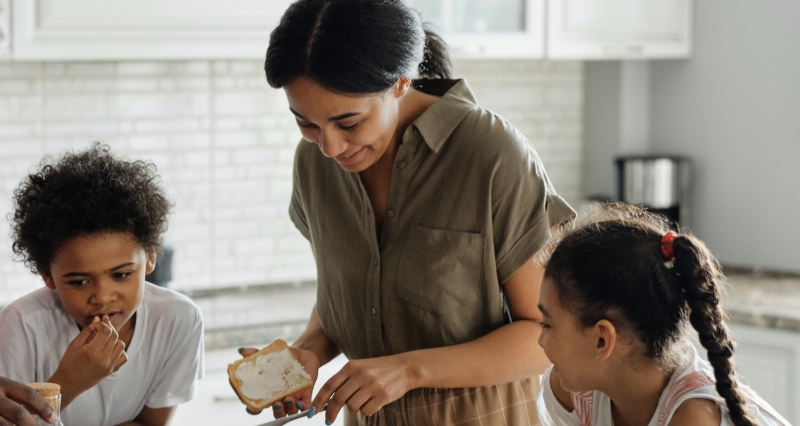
68,30
768,360
619,29
143,29
488,29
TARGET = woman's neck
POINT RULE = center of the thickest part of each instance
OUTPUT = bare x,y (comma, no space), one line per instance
410,107
413,104
635,392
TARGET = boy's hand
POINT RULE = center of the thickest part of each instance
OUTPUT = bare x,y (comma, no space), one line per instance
94,354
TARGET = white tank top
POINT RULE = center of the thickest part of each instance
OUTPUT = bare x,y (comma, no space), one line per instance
593,408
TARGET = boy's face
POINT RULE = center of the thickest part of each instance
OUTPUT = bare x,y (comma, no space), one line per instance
101,274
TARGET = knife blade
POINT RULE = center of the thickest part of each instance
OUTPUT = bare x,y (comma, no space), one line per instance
283,420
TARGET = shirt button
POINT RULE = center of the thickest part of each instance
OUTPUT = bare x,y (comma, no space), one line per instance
402,165
372,311
390,213
375,262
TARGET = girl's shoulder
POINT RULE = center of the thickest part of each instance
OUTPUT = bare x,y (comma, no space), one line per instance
691,398
697,411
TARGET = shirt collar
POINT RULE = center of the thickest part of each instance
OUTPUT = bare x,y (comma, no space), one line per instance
439,121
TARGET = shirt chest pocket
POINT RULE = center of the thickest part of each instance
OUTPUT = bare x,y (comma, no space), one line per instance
441,270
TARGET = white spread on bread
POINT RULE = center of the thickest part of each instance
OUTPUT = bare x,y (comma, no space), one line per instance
270,374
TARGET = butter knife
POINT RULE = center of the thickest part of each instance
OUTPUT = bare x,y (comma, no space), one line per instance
283,420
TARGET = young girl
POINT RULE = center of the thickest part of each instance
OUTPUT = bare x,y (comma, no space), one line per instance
618,294
124,351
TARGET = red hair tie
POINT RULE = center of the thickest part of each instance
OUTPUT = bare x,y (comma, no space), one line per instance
666,245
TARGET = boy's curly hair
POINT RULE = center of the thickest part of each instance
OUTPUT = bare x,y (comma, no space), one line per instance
83,193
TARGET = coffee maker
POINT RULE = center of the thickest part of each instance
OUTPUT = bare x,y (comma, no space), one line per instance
658,183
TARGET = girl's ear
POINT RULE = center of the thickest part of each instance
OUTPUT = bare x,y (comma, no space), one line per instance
403,83
151,262
605,339
48,281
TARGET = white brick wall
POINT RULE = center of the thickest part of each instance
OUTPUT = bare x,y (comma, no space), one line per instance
223,142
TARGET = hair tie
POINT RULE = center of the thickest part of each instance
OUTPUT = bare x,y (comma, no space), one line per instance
666,246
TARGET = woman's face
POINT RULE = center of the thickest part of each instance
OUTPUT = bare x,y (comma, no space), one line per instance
353,130
565,342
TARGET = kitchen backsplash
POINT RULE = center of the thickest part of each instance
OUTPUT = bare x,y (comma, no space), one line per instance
223,142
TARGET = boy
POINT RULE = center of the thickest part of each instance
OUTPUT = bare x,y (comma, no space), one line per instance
124,351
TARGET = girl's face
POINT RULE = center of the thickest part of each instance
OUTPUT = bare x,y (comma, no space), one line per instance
100,274
569,346
355,131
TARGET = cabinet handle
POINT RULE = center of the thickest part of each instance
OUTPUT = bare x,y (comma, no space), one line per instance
623,49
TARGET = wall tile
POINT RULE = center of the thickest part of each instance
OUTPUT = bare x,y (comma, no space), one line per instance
224,143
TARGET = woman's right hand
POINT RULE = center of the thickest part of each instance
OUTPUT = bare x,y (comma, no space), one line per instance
301,401
12,395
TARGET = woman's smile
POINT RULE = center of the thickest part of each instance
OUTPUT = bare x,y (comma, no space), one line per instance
352,158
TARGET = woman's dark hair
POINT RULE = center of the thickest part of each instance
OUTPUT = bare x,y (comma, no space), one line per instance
353,46
611,267
83,193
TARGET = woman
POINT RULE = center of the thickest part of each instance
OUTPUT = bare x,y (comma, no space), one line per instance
423,211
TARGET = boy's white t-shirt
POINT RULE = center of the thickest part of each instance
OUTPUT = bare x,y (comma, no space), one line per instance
165,356
593,408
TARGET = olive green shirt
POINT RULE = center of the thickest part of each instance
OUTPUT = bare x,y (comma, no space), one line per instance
469,203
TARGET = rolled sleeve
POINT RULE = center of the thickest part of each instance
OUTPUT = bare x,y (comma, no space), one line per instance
527,207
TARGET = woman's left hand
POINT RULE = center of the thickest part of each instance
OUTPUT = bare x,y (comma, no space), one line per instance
365,385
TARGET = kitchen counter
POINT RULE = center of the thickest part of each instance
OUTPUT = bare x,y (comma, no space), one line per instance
764,300
252,315
247,316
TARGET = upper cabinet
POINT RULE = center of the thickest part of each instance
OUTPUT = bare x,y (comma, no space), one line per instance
66,30
488,29
70,30
619,29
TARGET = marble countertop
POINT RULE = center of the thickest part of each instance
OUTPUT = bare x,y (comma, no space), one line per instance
256,314
764,300
247,316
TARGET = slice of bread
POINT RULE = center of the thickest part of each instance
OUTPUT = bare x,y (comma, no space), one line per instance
267,376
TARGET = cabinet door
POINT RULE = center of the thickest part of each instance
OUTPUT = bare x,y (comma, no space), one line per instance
142,29
486,29
619,29
768,360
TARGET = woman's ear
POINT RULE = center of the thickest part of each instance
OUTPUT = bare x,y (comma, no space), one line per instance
48,281
151,262
605,339
403,84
